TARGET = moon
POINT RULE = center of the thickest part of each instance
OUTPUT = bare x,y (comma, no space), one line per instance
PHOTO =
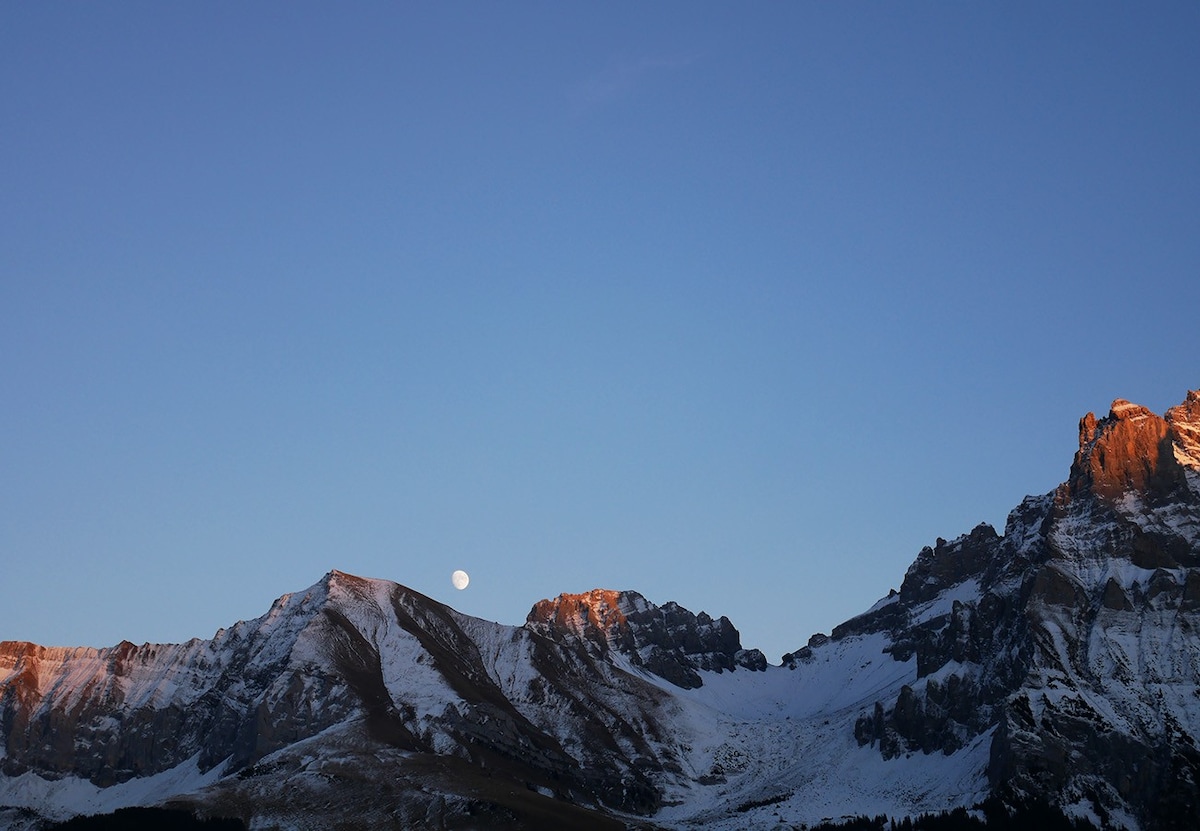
460,579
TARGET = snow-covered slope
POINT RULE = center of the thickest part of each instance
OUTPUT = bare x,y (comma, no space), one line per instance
1076,641
1057,662
82,727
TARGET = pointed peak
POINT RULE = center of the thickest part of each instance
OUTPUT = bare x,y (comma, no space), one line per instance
343,579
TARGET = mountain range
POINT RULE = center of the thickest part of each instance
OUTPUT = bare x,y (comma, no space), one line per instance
1055,664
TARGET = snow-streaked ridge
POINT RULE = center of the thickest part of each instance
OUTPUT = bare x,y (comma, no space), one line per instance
1058,661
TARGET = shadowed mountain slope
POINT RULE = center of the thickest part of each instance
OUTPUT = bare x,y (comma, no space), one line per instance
1058,663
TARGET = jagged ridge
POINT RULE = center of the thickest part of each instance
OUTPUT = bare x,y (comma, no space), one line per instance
1059,661
668,641
1074,637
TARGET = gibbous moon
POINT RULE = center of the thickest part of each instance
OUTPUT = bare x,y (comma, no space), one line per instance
460,579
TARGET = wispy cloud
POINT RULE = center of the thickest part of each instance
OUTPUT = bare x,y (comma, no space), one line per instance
619,78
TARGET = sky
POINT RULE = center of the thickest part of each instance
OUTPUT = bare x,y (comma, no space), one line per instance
736,305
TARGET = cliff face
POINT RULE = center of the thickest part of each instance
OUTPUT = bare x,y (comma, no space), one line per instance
668,641
370,656
1074,638
103,714
1130,451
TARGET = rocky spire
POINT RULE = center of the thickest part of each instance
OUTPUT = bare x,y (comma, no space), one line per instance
1132,450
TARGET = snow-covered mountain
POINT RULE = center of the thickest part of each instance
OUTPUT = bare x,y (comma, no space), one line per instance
1057,662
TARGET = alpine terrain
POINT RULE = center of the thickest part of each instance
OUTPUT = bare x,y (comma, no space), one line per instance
1057,663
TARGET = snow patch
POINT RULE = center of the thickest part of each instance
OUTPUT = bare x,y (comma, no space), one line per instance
883,603
62,798
965,592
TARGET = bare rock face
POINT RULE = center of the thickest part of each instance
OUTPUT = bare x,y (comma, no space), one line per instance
232,699
1074,638
352,654
1183,422
950,563
1131,450
668,641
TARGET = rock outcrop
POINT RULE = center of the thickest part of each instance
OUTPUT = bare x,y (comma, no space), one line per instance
102,714
667,640
1131,451
349,653
1074,638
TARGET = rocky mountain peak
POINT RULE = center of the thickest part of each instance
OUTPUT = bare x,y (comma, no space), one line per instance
666,640
1184,423
1057,662
1132,451
600,615
948,564
1061,635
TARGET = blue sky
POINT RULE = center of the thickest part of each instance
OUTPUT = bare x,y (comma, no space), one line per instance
737,307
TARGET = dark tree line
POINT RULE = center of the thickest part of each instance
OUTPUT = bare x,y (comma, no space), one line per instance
995,818
147,819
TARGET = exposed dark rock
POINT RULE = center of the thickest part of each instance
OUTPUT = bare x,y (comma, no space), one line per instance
949,563
1116,549
1131,450
147,819
666,640
249,709
1069,648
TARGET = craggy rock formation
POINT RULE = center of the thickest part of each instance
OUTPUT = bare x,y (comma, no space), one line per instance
1057,663
1074,638
1129,451
347,651
668,641
101,714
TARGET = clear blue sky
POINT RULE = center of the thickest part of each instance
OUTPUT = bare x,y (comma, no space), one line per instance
737,305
